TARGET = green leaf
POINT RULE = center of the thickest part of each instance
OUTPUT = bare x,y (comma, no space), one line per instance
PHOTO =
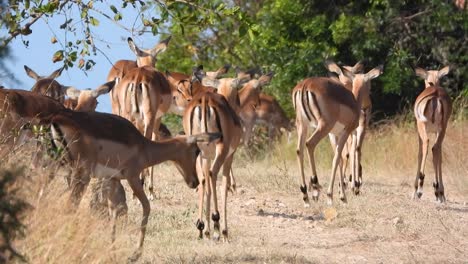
114,9
243,30
94,21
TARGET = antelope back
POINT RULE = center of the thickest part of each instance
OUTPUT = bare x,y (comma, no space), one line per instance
145,91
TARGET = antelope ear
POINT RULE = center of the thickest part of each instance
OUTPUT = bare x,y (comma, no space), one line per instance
421,73
31,73
71,92
160,47
332,67
137,51
103,89
444,71
358,67
198,73
266,79
224,69
55,74
169,76
374,73
348,73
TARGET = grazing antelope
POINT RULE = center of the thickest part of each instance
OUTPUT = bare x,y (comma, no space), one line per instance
47,85
210,112
18,109
145,57
432,110
110,147
366,110
328,106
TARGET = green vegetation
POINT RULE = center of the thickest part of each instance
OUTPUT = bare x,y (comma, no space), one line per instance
289,37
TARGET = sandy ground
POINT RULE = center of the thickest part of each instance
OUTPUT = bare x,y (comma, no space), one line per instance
382,225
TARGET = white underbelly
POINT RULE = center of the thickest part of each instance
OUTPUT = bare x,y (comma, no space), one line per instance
101,171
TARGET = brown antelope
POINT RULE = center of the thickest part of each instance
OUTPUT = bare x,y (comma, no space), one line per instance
332,109
184,87
210,112
145,57
361,86
146,97
366,110
110,147
18,108
47,85
86,100
432,110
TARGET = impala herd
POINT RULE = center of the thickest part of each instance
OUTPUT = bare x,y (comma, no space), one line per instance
218,115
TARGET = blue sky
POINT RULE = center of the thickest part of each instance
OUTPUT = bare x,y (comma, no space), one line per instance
38,56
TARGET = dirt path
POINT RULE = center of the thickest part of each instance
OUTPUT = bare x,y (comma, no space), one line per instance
383,225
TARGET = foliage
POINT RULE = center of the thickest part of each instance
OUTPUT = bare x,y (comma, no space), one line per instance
11,211
290,37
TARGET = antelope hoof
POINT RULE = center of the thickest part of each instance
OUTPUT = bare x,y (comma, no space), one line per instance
306,202
135,256
225,236
207,234
329,199
233,189
442,197
343,199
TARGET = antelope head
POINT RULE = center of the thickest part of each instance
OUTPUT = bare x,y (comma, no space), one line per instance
46,85
148,57
432,78
361,81
87,99
347,82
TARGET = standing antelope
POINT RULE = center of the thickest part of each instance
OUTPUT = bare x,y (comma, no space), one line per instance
213,112
432,110
328,106
145,57
366,110
110,147
361,88
210,112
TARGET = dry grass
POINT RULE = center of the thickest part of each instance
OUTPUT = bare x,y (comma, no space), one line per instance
268,223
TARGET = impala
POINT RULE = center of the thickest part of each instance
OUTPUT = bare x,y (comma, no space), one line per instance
18,108
361,87
110,147
184,87
364,118
328,106
146,95
432,110
47,85
145,57
210,112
